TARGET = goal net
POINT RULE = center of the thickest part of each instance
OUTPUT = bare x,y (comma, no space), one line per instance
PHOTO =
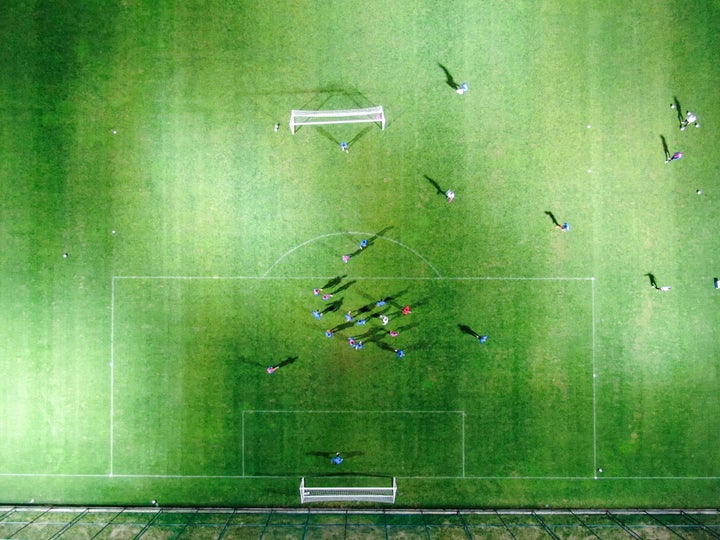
347,116
364,494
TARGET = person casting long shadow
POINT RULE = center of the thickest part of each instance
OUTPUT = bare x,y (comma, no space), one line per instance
289,360
333,282
552,218
344,287
333,306
438,189
449,80
676,105
465,329
666,150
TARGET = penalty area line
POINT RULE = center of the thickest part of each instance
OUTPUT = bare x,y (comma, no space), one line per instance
594,382
358,278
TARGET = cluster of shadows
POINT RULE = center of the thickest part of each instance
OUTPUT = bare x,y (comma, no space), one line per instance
678,109
367,311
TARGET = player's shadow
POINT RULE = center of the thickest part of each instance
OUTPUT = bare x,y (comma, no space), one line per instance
449,80
370,241
552,218
253,363
666,150
343,326
334,282
320,453
333,306
678,110
381,232
384,346
288,361
364,309
344,287
438,189
387,299
371,336
653,282
377,235
407,327
465,329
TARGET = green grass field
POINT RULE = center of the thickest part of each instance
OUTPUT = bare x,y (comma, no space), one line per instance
135,368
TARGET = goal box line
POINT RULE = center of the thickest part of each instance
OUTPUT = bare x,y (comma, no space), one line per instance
455,440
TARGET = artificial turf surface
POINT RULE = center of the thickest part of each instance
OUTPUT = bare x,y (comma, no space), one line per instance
135,367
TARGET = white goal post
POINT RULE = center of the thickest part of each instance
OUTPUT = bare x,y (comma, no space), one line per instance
347,116
363,494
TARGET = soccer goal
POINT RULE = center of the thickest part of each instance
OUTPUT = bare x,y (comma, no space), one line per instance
363,494
347,116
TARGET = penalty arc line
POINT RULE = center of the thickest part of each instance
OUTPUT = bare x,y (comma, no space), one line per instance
373,235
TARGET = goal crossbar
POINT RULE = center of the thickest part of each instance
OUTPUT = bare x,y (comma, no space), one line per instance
363,494
341,116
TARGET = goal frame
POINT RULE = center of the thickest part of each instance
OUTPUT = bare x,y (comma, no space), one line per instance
300,118
357,494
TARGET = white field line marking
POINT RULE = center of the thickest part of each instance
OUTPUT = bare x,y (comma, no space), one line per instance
112,373
463,444
594,384
369,278
243,443
335,411
369,235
